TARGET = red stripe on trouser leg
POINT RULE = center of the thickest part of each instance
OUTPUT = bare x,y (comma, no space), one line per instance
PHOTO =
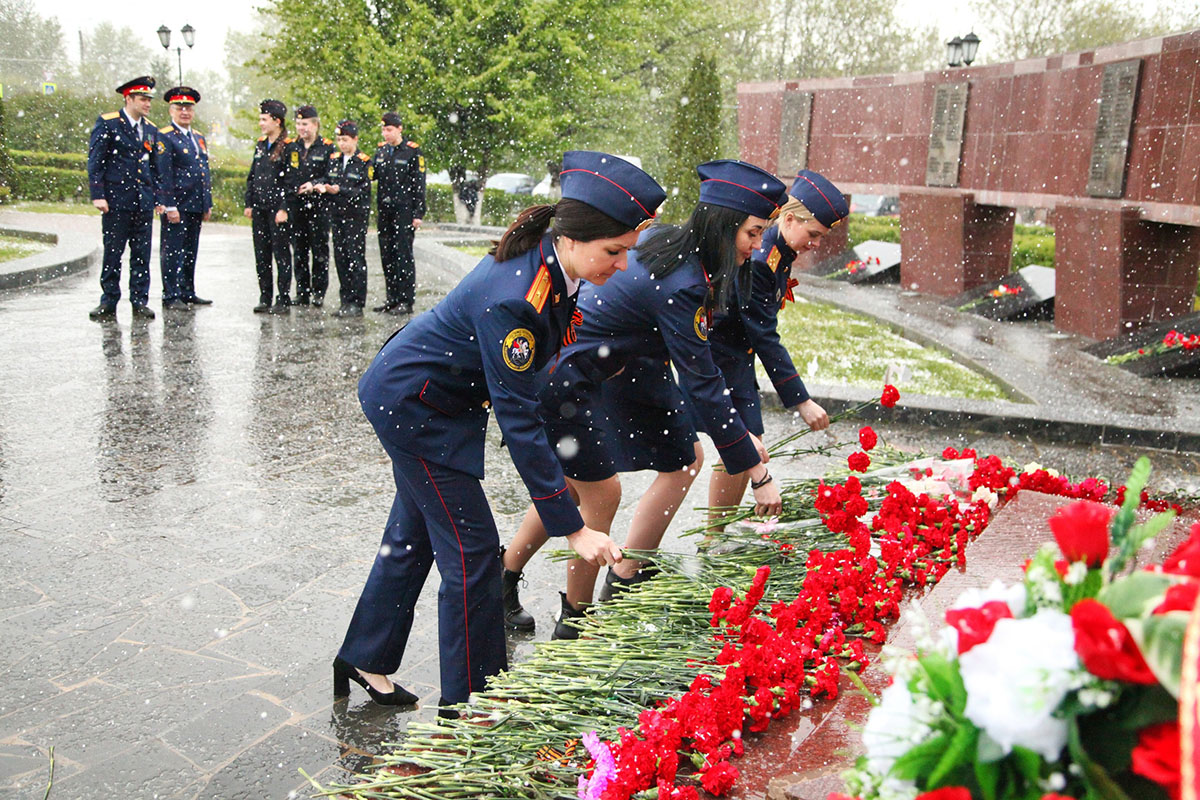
463,557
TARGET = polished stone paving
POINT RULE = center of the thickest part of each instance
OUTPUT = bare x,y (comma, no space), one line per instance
188,509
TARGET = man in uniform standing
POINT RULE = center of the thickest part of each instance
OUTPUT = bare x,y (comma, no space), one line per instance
185,193
399,168
305,161
121,182
348,183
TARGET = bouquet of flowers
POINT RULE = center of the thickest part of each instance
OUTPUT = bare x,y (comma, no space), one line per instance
1066,685
1174,340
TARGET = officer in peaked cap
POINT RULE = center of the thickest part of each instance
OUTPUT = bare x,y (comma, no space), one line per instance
306,160
399,170
427,394
121,180
185,193
810,209
613,394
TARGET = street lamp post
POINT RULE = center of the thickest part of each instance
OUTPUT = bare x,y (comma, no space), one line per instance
189,38
960,51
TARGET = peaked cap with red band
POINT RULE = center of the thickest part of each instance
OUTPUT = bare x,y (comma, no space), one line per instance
821,197
141,85
181,95
611,185
742,187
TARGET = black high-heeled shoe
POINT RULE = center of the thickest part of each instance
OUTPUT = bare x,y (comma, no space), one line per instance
344,672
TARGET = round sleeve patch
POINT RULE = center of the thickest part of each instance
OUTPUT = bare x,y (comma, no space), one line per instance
162,148
701,323
518,349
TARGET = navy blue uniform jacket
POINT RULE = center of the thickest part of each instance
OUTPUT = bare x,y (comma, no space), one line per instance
264,183
353,179
736,337
428,390
119,166
635,315
184,179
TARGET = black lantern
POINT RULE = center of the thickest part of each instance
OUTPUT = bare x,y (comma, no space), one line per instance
189,38
970,46
164,36
954,51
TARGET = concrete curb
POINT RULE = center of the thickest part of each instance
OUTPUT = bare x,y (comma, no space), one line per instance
72,253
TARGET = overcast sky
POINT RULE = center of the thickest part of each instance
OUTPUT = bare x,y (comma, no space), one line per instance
213,18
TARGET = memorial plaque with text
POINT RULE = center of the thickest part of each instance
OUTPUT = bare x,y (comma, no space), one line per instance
793,132
946,134
1110,151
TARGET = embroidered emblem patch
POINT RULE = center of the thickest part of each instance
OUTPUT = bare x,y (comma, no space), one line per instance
518,350
701,323
295,159
162,148
421,163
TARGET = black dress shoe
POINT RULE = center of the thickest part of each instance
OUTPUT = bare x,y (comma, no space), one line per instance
142,312
176,305
263,307
344,672
301,300
615,585
444,712
349,310
318,300
400,309
102,312
383,308
198,301
282,306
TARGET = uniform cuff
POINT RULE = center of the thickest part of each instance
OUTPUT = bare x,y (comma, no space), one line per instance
792,391
740,455
559,514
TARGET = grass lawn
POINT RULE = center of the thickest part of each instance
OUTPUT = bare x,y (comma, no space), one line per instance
831,346
476,250
47,207
12,247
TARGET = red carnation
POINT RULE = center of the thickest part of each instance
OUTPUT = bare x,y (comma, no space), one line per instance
1156,756
1180,597
1186,558
867,437
859,462
1105,645
890,395
946,793
974,625
719,779
1081,530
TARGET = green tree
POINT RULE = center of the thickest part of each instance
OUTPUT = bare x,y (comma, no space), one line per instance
695,135
31,47
56,123
108,57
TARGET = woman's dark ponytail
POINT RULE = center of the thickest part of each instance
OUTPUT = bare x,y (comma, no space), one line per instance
524,233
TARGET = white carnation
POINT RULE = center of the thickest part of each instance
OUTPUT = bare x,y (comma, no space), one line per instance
895,726
1013,596
1016,680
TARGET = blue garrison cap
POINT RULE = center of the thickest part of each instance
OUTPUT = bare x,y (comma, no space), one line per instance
822,198
742,187
611,185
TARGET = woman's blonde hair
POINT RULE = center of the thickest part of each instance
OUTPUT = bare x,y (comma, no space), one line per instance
795,207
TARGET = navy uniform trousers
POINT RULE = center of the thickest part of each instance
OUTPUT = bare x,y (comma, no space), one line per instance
178,244
439,515
123,227
350,256
396,235
310,235
271,239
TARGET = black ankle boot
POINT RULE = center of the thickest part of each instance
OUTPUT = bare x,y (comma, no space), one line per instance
615,585
563,629
445,711
515,617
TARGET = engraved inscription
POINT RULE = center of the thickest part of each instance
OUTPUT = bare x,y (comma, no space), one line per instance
793,132
1110,151
946,134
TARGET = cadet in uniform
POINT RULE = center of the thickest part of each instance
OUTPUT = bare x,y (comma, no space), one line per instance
427,394
121,181
185,193
813,206
399,168
612,404
348,183
306,159
266,207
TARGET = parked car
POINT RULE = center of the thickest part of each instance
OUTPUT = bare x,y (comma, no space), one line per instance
874,205
442,177
511,182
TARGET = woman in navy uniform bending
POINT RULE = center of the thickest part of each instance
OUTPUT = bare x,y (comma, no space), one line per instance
427,395
814,206
612,404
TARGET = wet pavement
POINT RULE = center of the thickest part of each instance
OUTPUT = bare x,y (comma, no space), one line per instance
188,509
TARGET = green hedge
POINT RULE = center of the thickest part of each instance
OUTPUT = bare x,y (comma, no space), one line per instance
50,183
35,158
